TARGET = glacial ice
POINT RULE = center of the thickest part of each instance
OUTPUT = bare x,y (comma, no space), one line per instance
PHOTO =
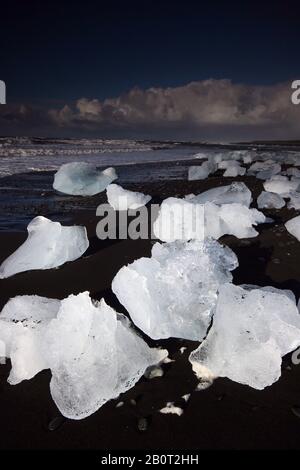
234,171
92,351
293,172
201,172
47,246
251,331
281,185
22,325
264,170
236,192
293,227
180,219
82,179
232,167
247,158
267,200
170,408
122,199
173,293
294,202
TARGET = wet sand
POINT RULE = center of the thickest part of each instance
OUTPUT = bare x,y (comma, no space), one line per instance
225,416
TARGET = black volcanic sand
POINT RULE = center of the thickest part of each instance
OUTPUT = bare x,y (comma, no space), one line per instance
225,416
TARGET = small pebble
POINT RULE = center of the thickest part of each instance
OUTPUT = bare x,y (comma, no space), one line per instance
118,405
167,360
153,372
143,424
203,385
221,397
186,397
296,411
56,422
170,408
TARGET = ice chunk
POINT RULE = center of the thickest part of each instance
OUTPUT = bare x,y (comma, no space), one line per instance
22,324
293,172
93,353
173,293
294,200
267,200
121,199
281,185
293,227
201,172
234,171
231,219
265,170
101,357
82,179
170,408
234,192
248,158
180,219
251,331
47,246
232,167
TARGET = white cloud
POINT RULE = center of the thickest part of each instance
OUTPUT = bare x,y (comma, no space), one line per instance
208,108
205,103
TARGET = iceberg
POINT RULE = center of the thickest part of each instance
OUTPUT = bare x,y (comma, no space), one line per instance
232,167
293,172
236,192
294,202
122,199
251,331
82,179
173,293
247,158
293,227
22,325
267,200
47,246
180,219
264,170
201,172
234,171
92,351
281,185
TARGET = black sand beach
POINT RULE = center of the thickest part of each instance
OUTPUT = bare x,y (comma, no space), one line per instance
225,416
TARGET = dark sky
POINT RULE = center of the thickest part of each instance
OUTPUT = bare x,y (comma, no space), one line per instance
68,49
62,60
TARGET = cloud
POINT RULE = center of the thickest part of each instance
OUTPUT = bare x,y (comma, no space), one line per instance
212,109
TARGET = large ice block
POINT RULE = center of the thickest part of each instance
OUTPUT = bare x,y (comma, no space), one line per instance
82,179
174,292
252,329
48,245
